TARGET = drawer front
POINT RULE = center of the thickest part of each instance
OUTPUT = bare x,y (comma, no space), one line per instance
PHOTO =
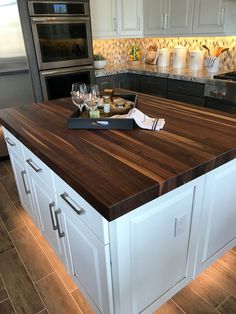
72,201
13,144
39,169
186,88
153,85
200,101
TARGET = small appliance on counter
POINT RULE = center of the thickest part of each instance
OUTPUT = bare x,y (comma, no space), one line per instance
179,57
195,60
164,57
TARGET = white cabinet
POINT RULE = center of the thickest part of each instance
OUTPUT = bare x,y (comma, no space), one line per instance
167,17
41,182
89,259
130,17
112,18
103,18
152,249
23,184
209,16
218,229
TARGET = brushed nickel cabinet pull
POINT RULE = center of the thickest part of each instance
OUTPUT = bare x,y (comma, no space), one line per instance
23,173
10,142
60,233
114,24
162,21
33,165
166,16
55,226
66,197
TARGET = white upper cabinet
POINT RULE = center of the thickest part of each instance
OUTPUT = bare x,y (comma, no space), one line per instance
166,17
129,17
209,16
154,11
178,17
103,18
112,18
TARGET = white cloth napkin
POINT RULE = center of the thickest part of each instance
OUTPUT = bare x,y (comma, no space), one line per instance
142,120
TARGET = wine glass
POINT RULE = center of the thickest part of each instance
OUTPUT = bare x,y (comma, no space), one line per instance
93,96
79,95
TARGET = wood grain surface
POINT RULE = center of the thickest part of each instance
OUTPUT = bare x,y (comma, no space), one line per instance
117,171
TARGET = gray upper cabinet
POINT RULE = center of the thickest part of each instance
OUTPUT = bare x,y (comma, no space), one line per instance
168,17
209,16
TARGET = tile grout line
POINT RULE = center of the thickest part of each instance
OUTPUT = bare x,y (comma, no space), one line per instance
42,311
4,300
212,307
8,294
223,301
25,267
70,293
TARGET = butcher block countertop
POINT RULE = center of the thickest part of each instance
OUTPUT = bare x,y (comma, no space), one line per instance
117,171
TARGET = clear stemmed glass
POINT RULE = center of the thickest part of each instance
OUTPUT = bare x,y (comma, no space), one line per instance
93,97
79,95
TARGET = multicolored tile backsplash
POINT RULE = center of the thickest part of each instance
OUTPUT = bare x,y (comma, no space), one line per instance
117,50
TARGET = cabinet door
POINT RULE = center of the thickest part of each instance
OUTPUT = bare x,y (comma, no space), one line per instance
155,248
153,85
129,14
23,184
218,228
178,16
44,203
209,16
154,11
103,18
106,82
89,261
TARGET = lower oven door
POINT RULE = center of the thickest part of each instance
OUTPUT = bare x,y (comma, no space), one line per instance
57,83
223,105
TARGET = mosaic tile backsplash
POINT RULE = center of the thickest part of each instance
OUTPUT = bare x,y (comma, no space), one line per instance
117,50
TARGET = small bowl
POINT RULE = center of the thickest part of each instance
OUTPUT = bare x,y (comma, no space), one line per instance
100,64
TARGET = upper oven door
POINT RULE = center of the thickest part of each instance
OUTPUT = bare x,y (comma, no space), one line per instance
61,42
58,8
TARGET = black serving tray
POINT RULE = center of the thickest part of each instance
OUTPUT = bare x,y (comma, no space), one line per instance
79,121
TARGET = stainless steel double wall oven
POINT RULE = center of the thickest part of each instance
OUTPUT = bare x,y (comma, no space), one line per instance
62,44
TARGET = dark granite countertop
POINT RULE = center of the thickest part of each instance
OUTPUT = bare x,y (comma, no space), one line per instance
201,76
117,171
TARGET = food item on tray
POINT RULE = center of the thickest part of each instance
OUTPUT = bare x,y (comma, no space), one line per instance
120,105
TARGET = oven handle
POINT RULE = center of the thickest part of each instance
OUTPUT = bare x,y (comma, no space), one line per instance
59,19
67,70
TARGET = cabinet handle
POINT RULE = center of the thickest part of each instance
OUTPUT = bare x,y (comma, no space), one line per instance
23,173
114,24
166,17
60,233
33,165
162,21
10,142
222,16
55,226
79,210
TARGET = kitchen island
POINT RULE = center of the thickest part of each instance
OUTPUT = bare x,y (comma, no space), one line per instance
134,215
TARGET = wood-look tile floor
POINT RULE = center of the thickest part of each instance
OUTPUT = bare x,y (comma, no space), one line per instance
33,280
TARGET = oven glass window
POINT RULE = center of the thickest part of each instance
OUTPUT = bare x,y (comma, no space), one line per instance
57,8
63,41
60,86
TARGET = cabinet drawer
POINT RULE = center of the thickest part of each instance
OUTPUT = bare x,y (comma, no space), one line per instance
39,169
13,144
200,101
153,85
186,88
71,200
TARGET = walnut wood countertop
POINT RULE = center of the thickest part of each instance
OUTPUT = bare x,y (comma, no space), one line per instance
117,171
